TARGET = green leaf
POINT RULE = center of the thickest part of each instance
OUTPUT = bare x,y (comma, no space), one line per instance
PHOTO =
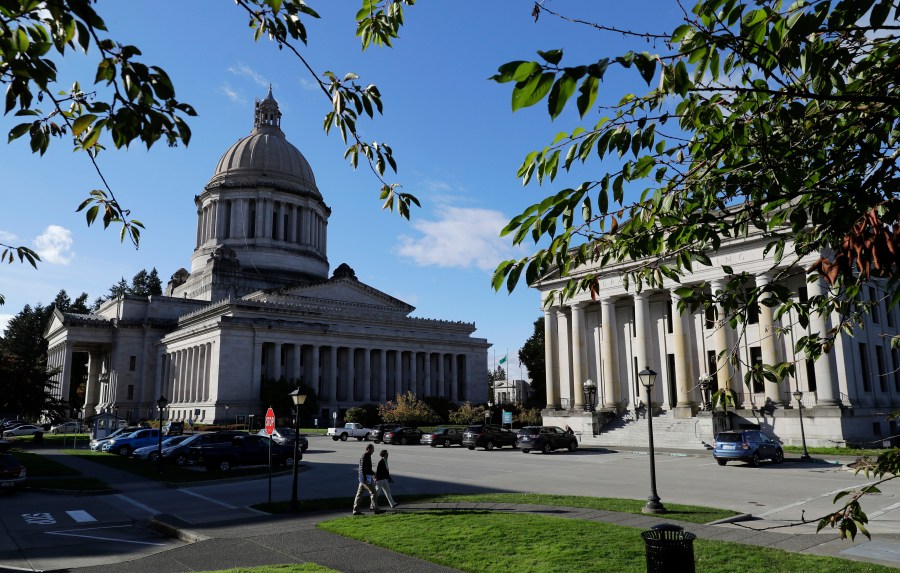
531,91
560,93
587,94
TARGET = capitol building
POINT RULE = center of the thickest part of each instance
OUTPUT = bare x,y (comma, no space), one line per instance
258,303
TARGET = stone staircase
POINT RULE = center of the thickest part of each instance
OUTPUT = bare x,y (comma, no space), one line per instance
668,432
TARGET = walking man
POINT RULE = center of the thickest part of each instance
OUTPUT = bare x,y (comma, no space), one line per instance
366,482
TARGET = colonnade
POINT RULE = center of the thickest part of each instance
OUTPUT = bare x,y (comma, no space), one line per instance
677,346
363,374
59,357
186,374
251,218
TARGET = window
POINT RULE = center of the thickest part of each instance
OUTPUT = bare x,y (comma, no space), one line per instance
802,294
873,298
755,361
882,376
251,224
876,428
130,392
132,363
711,363
896,356
275,225
864,367
710,314
753,314
888,312
811,375
669,318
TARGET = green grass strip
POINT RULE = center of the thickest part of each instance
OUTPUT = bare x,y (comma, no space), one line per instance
493,542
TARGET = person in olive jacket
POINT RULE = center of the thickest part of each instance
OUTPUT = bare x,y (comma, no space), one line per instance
366,482
383,478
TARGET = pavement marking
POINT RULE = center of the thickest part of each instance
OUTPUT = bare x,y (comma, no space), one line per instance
880,512
81,516
136,503
809,499
209,499
66,533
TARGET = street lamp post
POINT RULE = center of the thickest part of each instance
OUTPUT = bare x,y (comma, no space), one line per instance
161,404
226,416
647,378
250,431
590,395
298,399
798,396
705,386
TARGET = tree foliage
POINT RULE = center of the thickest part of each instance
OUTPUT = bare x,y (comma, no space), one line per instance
131,101
467,414
408,410
760,118
366,414
532,356
142,284
275,394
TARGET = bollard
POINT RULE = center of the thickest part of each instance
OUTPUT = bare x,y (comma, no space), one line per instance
669,549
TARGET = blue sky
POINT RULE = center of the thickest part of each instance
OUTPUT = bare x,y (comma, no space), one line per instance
454,136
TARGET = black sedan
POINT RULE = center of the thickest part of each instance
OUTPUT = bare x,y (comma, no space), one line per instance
403,436
545,439
443,436
12,473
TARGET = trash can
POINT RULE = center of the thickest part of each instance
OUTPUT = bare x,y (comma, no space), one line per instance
669,549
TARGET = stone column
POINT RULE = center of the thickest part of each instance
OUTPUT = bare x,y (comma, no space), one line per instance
256,382
825,380
551,359
427,390
350,383
641,325
564,356
64,356
332,374
297,370
579,356
276,360
315,376
367,375
683,378
610,355
720,340
767,343
398,373
382,375
413,374
92,388
441,377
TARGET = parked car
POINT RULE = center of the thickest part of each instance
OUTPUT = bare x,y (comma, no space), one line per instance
172,428
546,439
10,424
443,436
66,428
241,450
285,437
379,430
403,436
97,443
151,452
488,436
12,473
749,446
23,430
179,454
125,444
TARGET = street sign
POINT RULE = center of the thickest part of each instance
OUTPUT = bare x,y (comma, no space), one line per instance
270,421
507,417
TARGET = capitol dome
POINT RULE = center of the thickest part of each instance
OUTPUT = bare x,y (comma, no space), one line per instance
265,157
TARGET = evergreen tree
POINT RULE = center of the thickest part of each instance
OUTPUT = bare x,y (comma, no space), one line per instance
532,356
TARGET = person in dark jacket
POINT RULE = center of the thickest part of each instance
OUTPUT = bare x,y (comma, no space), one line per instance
383,478
366,482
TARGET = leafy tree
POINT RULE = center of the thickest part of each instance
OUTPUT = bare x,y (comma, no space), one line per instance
467,414
276,394
406,409
528,417
367,415
142,284
135,102
26,385
532,356
441,405
760,117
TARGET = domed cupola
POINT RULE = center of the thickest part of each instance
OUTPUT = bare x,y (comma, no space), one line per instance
263,204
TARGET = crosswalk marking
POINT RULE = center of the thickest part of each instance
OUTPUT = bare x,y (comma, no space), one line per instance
81,516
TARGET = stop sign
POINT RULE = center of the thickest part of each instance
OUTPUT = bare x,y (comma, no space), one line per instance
270,421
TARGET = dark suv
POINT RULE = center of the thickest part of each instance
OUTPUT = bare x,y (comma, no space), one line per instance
488,436
749,446
380,429
545,439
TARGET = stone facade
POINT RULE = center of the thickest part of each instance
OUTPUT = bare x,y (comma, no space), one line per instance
258,303
846,394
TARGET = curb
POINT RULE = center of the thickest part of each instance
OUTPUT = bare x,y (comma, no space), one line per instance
171,526
733,519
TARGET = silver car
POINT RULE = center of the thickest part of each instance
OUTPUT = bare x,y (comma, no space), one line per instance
285,437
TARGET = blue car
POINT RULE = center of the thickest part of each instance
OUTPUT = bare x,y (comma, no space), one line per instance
751,446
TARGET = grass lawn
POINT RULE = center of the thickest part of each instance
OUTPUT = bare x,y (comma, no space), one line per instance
489,542
822,451
689,513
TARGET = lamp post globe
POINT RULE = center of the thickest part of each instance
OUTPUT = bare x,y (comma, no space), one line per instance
798,396
647,379
160,404
298,398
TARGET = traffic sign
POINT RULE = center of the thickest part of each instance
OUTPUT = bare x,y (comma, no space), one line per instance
270,421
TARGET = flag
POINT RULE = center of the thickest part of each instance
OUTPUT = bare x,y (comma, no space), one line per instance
502,360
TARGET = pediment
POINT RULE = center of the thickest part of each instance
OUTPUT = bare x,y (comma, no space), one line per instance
337,291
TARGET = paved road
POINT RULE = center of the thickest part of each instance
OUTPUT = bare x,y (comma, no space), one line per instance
46,532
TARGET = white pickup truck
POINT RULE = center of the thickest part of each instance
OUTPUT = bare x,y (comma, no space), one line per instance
350,430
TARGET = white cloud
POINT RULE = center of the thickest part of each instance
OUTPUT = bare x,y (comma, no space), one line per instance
460,238
248,72
54,245
7,238
232,94
4,321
